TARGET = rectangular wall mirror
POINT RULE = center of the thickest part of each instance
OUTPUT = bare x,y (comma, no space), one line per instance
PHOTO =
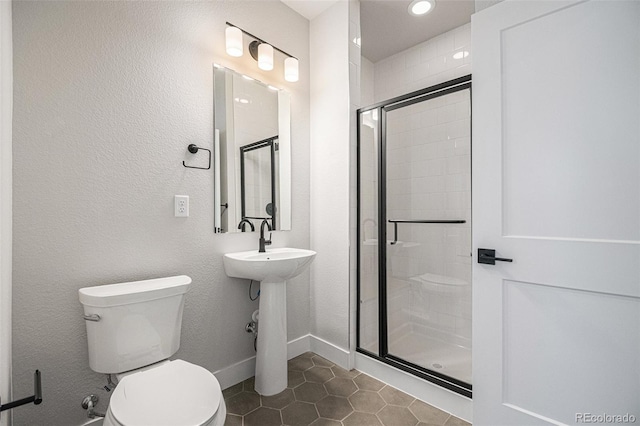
252,153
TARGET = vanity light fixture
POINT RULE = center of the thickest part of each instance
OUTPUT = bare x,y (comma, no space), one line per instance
261,51
421,7
265,56
233,37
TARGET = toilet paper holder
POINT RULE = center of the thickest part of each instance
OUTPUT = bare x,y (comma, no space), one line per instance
36,398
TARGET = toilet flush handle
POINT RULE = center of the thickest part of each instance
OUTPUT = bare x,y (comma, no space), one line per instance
91,317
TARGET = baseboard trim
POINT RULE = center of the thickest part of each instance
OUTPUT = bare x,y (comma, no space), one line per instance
236,373
298,346
330,351
244,369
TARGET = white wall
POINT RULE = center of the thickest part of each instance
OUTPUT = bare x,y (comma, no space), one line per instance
366,82
107,96
6,102
330,129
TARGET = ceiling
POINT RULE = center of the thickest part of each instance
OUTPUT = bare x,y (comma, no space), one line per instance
309,8
387,27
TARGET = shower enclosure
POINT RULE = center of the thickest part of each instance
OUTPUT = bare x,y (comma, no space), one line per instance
414,194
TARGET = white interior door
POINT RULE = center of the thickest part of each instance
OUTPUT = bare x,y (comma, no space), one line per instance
556,175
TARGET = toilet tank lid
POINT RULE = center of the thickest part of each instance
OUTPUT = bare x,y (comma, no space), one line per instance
134,291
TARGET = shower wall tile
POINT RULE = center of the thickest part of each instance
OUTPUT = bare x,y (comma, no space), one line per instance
434,61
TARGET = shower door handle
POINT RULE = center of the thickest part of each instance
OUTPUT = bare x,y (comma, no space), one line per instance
488,257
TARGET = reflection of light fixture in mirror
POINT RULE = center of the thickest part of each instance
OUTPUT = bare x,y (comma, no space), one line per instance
234,41
262,52
421,7
461,54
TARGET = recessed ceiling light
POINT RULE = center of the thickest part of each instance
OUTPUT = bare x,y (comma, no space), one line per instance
421,7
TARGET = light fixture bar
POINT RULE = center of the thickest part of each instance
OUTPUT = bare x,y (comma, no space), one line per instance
260,40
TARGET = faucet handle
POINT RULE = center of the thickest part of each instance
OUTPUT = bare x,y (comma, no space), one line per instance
268,242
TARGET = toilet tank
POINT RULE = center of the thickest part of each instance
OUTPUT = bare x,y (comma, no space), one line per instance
133,324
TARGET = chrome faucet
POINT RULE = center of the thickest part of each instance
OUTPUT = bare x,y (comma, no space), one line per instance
243,223
264,242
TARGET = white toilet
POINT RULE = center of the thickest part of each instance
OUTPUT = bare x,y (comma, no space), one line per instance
132,330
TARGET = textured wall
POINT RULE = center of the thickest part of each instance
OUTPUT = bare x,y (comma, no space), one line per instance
107,97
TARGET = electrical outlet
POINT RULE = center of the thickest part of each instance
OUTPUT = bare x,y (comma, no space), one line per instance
181,206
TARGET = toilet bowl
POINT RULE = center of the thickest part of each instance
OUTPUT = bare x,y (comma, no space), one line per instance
132,330
172,393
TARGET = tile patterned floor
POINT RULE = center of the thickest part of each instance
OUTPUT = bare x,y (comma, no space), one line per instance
321,393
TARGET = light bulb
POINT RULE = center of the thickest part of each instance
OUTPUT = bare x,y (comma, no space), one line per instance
291,69
234,41
265,56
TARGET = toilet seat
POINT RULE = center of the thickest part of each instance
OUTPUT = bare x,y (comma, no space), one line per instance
176,393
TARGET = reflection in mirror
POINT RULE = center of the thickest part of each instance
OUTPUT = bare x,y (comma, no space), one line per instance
252,161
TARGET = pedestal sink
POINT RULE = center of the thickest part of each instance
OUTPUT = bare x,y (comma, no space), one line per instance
272,268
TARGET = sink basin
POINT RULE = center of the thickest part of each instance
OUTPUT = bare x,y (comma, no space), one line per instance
278,264
272,268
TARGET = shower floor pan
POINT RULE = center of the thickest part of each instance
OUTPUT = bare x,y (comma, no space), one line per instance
434,354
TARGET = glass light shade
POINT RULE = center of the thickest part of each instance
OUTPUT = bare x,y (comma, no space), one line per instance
291,69
234,41
265,56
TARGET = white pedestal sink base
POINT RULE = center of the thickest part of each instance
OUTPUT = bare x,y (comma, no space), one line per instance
272,268
271,356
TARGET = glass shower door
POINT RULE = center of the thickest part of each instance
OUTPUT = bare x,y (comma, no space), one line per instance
428,228
414,233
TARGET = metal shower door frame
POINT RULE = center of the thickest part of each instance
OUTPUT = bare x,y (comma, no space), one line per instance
383,354
272,145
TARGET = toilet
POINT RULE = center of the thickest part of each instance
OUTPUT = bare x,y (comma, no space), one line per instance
132,330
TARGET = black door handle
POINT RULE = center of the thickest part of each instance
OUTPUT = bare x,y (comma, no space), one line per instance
488,257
